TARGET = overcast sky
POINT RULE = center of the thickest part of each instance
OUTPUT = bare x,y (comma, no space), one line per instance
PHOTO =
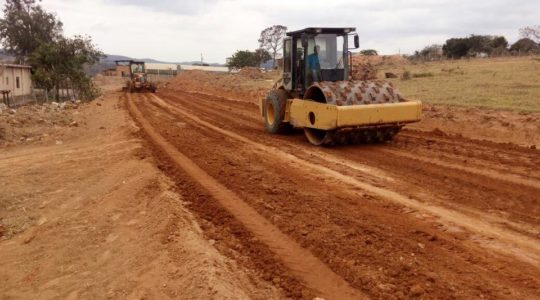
173,30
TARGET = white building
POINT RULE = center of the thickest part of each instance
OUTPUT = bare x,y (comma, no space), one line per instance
15,80
161,68
204,68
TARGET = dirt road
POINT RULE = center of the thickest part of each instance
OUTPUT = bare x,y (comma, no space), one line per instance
86,214
429,214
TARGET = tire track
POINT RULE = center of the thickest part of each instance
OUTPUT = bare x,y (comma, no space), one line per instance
486,172
300,261
512,178
375,174
362,159
520,246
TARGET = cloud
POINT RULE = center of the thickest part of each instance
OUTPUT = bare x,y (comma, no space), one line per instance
181,7
182,30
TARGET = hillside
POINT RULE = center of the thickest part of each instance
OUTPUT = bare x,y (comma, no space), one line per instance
109,62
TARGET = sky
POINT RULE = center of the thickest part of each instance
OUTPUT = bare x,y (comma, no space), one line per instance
177,30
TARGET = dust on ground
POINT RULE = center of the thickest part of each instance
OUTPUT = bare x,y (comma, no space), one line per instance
85,213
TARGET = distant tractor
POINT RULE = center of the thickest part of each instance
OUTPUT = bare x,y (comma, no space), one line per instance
316,93
138,79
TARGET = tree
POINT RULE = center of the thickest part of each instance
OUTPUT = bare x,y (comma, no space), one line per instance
431,52
456,48
369,52
25,26
531,32
35,36
474,44
478,44
525,45
262,56
498,42
243,58
58,63
272,40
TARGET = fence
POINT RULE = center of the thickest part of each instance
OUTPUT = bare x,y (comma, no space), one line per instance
157,75
15,101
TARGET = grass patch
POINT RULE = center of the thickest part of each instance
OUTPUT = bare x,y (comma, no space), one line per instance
505,83
422,75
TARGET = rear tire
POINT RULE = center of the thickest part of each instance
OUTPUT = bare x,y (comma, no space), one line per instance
274,111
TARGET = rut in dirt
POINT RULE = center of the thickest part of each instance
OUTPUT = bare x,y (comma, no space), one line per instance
301,262
515,242
449,253
485,173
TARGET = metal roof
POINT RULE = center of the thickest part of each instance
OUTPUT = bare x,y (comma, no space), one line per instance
15,66
322,30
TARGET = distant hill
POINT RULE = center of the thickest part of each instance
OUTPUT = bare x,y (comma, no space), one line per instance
108,62
113,57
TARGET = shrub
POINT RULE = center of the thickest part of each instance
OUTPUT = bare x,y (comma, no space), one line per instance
406,75
421,75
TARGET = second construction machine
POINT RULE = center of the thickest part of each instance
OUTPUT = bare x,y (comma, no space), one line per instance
317,94
138,79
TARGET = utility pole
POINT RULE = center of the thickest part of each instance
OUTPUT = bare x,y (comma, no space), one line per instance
202,59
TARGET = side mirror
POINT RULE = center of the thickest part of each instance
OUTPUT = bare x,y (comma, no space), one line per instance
356,41
304,40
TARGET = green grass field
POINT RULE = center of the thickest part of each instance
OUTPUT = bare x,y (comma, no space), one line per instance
505,83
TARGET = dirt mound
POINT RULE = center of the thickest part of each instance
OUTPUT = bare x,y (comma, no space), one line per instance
363,71
33,123
381,60
501,126
251,72
109,83
365,66
242,85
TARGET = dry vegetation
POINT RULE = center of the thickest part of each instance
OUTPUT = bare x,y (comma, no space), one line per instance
508,83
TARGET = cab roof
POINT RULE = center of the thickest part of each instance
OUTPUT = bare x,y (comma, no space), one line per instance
321,30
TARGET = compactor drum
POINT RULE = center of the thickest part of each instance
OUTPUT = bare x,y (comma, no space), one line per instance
317,95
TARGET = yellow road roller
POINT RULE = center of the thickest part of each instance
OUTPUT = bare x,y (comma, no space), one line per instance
316,93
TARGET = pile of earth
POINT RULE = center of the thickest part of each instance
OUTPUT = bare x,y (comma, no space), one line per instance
381,60
32,123
251,72
363,71
229,85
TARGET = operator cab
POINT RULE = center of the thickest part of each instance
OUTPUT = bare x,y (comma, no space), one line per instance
137,67
316,54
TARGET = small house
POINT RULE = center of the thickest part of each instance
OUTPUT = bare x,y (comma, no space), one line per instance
16,81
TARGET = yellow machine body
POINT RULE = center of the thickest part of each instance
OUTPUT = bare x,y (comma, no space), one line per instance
302,113
305,113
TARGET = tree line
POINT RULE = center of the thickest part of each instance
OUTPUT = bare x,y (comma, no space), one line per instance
35,37
270,43
483,45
